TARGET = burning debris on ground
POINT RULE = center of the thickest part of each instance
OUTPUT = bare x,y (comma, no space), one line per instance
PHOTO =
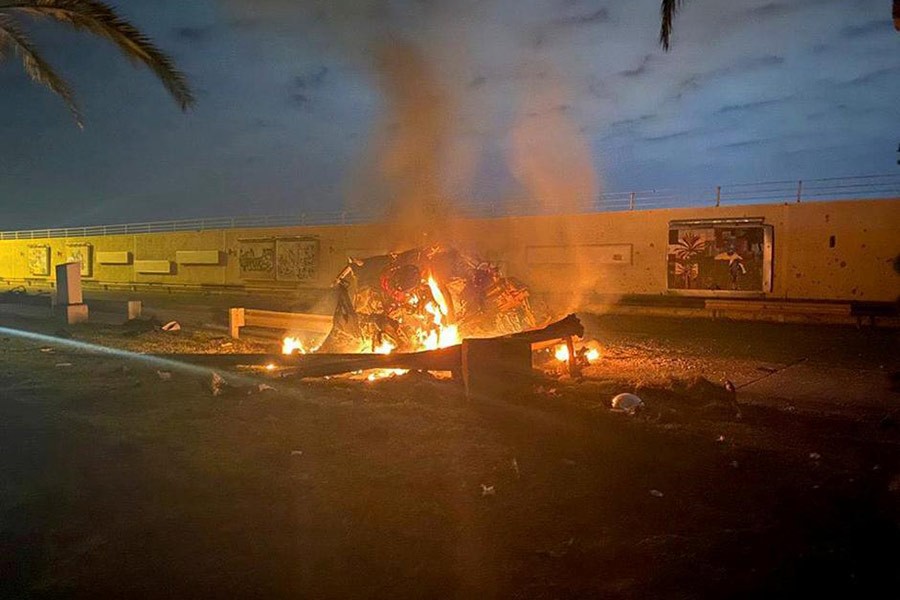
424,299
429,300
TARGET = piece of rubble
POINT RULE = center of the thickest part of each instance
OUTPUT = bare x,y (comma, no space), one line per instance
487,490
656,493
264,387
164,375
627,403
217,384
64,364
172,326
815,455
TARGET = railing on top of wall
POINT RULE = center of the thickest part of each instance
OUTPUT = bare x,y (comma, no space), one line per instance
844,188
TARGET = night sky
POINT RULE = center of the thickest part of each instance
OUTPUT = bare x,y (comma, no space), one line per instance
295,114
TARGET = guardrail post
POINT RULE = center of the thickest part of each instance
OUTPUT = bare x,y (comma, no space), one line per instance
799,190
718,194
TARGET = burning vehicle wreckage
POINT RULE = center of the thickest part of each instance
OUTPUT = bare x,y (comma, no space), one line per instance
435,309
423,300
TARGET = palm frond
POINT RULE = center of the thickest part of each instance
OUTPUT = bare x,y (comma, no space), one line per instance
35,66
101,19
667,11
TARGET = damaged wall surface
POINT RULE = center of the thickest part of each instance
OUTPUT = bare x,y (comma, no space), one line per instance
842,250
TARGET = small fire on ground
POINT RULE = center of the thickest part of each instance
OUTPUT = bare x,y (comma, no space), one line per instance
588,353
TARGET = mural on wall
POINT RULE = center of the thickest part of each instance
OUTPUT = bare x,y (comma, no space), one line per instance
296,259
724,257
39,261
80,253
257,258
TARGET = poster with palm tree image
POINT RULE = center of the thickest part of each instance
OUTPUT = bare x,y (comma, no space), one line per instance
722,258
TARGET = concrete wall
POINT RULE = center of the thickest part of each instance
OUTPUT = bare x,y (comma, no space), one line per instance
603,253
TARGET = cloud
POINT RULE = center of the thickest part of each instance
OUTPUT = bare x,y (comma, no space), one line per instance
311,80
871,77
751,106
671,136
641,69
193,34
601,15
748,143
857,31
740,67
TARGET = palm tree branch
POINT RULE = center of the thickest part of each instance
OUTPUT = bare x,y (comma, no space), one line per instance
102,20
35,66
667,11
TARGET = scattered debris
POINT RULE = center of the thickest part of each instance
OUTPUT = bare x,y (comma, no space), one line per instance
720,439
487,490
732,396
164,375
172,326
656,493
48,349
515,468
735,464
217,384
64,364
815,455
296,452
265,387
627,403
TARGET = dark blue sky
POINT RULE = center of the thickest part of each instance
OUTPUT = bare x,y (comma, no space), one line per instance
520,98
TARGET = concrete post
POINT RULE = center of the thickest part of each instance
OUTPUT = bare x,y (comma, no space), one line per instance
235,322
135,308
69,299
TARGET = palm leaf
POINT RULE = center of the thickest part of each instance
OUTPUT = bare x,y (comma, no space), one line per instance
35,66
667,11
102,20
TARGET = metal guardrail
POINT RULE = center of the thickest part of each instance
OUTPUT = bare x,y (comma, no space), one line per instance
768,192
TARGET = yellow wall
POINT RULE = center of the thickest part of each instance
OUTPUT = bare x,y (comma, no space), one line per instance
859,267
